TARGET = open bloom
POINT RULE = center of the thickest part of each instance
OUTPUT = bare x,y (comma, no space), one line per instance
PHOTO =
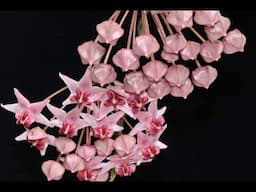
27,113
53,170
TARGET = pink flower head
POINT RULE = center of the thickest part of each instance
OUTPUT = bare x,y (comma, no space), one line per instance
64,145
137,102
135,82
182,91
208,18
105,127
125,170
155,70
82,92
124,144
177,75
174,43
180,19
38,138
103,74
211,50
191,51
73,163
69,123
91,52
145,45
169,57
87,152
53,170
104,146
126,60
234,42
109,32
27,113
204,76
159,90
218,30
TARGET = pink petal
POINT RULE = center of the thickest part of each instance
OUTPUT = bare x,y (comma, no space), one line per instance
144,140
126,109
73,115
155,70
51,139
145,45
85,83
124,144
36,133
87,152
159,90
90,119
137,128
22,136
169,57
191,51
37,107
135,82
218,30
65,145
43,120
96,93
103,74
23,102
109,31
53,170
126,59
204,76
114,118
102,177
234,42
177,75
208,18
57,112
174,43
71,83
211,50
91,52
104,147
180,19
182,91
73,163
11,107
152,108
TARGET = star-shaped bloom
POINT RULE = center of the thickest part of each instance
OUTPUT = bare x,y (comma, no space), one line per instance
27,113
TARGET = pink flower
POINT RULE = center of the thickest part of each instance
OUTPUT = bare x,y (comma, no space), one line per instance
82,92
124,144
182,91
211,50
191,51
103,74
64,145
27,113
126,60
180,19
159,90
73,163
125,170
174,43
104,146
109,32
218,30
145,45
137,102
204,76
135,82
91,52
53,170
177,75
38,138
208,18
169,57
155,70
87,152
234,42
69,123
104,127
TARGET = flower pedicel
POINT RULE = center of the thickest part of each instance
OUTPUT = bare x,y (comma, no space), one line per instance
104,106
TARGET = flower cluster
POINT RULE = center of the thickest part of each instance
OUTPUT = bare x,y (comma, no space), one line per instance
91,141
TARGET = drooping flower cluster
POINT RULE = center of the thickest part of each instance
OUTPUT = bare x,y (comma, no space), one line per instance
91,141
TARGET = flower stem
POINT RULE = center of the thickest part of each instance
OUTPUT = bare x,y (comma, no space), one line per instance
197,63
127,122
112,175
134,26
56,93
197,34
58,158
130,31
166,23
80,139
159,27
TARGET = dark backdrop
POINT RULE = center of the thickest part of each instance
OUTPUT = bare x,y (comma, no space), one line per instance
210,137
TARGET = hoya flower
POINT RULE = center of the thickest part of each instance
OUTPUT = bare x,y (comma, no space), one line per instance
191,51
234,42
184,90
87,152
27,113
159,90
53,170
177,75
126,60
145,45
38,138
82,91
137,102
169,57
155,70
103,74
105,127
91,52
135,82
152,120
109,32
208,18
204,76
73,163
180,19
175,43
211,50
64,145
69,123
104,146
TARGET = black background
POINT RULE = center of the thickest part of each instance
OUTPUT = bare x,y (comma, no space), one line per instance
210,137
